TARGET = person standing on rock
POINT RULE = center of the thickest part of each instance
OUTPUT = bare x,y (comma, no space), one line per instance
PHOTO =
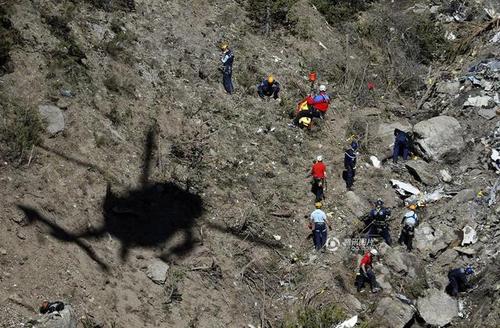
318,224
409,222
227,59
401,145
378,222
366,273
269,87
350,157
458,280
318,173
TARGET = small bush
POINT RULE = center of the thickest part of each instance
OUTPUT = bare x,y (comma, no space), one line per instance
21,129
270,14
119,45
309,317
336,11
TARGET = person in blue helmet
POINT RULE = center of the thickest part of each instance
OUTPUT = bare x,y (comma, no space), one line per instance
459,280
350,157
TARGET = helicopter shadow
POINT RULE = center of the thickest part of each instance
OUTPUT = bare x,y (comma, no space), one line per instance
148,216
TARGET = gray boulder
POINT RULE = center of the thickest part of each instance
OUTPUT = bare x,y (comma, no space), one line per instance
448,87
385,132
359,207
64,319
423,172
437,308
440,138
53,117
157,271
396,313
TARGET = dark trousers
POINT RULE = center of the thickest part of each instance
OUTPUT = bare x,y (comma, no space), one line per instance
400,148
380,231
455,285
406,237
348,176
361,279
317,189
227,81
319,235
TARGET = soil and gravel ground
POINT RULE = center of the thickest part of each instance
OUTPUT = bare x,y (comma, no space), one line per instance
156,161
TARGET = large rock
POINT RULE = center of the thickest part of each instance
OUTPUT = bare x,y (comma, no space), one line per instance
386,132
396,313
359,207
157,271
440,138
437,308
64,319
423,172
448,87
53,117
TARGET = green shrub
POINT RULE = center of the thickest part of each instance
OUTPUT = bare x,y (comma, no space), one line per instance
336,11
270,14
21,129
324,317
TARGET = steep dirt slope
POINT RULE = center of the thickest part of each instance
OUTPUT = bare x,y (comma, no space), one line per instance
150,134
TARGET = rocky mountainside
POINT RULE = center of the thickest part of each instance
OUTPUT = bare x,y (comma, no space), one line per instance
140,193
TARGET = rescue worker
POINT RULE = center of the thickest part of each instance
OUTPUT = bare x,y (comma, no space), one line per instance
366,273
350,157
318,173
269,87
227,59
318,224
401,145
320,102
378,224
409,222
304,111
458,280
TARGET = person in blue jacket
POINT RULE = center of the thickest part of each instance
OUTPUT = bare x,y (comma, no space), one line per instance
227,68
458,280
350,157
401,145
269,87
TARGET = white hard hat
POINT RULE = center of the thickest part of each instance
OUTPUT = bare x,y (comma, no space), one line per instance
322,87
319,158
374,252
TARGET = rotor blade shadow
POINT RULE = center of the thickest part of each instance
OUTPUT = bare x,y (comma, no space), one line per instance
61,234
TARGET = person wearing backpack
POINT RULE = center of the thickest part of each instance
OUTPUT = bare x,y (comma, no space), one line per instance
409,222
320,102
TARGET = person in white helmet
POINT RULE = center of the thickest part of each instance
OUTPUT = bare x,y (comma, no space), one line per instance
409,222
366,273
318,173
320,102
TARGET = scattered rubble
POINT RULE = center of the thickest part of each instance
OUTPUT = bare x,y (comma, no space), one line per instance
470,236
404,189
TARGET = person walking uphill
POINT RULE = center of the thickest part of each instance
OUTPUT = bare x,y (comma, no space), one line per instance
458,280
401,145
409,222
318,173
318,225
350,157
268,87
227,68
366,273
